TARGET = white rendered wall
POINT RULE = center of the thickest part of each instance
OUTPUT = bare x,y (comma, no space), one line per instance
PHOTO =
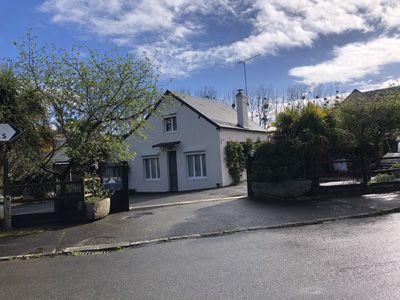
195,135
227,135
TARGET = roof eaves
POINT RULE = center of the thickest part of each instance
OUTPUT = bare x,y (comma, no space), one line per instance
243,129
193,109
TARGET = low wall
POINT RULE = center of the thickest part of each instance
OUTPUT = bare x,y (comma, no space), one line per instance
286,190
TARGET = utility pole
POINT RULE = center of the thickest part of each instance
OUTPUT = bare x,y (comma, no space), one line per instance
244,70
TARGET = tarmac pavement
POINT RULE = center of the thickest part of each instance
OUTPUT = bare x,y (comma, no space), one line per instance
201,216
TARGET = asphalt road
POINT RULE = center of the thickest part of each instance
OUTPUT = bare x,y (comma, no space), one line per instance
352,259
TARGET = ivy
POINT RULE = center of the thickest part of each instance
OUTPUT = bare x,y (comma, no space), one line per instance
235,160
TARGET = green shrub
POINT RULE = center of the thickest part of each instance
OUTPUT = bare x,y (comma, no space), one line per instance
395,166
278,161
95,188
235,160
385,177
248,145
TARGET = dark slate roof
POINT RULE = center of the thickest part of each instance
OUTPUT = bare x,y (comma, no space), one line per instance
373,94
217,113
383,92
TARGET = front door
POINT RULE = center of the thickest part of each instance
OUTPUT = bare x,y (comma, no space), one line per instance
173,171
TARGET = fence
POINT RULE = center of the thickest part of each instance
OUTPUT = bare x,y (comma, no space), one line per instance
63,204
360,176
348,176
67,198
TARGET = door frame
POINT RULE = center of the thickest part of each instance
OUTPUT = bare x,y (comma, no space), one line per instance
170,174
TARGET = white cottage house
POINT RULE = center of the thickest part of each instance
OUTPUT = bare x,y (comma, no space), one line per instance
185,143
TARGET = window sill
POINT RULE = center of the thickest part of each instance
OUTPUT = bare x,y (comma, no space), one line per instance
152,179
198,178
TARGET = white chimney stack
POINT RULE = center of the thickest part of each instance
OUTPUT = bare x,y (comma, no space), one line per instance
242,109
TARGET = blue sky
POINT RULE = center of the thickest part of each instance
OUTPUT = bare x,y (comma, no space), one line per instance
348,44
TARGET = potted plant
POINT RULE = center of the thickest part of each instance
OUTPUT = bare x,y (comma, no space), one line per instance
97,199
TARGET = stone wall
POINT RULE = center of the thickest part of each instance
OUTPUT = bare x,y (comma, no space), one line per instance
286,190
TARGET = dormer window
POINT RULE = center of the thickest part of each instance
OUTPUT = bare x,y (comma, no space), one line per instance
170,124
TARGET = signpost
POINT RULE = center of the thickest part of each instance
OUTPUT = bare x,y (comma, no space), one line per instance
8,132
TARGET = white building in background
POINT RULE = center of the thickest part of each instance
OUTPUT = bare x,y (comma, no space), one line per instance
185,143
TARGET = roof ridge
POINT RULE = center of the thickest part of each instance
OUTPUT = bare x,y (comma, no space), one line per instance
219,114
382,89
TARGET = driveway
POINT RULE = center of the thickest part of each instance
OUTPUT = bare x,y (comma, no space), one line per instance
32,207
149,199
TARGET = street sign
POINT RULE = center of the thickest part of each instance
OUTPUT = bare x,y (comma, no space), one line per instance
8,132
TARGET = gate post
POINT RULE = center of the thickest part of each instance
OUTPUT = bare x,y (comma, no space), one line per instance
125,186
314,179
249,162
365,168
7,199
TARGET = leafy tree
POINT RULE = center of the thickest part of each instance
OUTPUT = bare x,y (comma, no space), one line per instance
311,130
369,122
314,127
23,107
94,100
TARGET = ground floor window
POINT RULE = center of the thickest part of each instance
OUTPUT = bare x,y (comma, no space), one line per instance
197,165
151,168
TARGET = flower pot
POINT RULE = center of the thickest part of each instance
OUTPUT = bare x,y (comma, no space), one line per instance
97,210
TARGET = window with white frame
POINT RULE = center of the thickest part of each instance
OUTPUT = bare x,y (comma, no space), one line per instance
151,168
196,164
170,124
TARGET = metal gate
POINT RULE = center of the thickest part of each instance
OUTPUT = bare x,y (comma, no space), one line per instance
115,179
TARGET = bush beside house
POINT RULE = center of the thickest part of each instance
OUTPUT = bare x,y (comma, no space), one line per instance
235,160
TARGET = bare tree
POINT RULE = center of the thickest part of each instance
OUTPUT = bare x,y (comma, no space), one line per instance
262,103
207,92
295,92
185,91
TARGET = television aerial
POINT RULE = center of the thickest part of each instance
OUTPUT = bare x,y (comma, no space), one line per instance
244,69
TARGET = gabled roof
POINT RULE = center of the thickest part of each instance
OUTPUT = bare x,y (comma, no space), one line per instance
373,94
217,113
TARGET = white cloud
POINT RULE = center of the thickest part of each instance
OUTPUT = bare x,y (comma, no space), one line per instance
168,30
352,61
371,84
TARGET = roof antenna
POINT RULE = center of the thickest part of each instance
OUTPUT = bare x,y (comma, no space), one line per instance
244,69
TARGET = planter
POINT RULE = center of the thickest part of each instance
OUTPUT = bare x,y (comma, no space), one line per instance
97,210
285,190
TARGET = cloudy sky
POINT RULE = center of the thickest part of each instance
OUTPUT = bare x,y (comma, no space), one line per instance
350,44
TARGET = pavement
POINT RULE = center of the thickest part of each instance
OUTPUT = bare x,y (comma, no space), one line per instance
155,218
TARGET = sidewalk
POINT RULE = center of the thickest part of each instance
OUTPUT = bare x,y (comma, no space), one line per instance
155,199
197,218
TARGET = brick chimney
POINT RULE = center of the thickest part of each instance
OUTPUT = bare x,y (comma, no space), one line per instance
242,109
